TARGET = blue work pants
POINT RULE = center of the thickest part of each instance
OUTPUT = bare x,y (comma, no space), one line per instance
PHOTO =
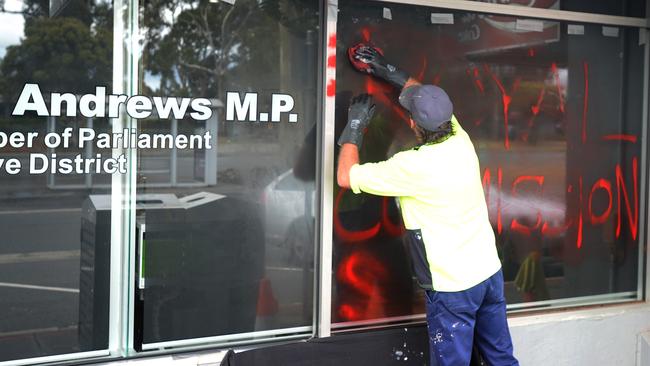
457,320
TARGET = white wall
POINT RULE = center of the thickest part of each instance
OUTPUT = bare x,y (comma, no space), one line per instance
608,336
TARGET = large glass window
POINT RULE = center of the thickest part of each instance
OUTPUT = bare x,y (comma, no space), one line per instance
229,229
555,113
55,227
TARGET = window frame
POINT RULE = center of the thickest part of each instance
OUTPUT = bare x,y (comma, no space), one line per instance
643,278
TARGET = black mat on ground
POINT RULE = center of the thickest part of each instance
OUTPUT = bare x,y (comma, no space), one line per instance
396,346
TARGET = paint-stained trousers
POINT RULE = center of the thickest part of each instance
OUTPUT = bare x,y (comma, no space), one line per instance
476,316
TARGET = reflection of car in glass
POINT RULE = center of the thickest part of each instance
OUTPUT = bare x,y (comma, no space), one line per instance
288,229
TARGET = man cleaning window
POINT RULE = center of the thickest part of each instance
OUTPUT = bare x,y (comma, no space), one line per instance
443,207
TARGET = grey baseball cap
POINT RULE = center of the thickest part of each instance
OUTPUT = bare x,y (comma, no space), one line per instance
429,105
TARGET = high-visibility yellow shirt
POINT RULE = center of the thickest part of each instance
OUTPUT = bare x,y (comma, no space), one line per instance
442,201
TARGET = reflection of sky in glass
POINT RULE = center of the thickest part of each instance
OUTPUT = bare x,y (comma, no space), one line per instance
11,25
151,80
170,16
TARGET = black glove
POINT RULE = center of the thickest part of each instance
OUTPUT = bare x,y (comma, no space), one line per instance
359,114
380,67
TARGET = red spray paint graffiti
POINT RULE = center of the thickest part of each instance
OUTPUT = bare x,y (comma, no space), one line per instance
607,187
585,101
593,196
620,188
515,225
623,203
362,272
505,100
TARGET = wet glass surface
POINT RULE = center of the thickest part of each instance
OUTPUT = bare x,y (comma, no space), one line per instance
229,246
55,227
554,111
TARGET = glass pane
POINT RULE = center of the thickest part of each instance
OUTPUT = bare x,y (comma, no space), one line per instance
629,8
55,227
229,228
554,112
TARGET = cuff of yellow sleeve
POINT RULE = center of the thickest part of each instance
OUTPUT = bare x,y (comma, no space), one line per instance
353,179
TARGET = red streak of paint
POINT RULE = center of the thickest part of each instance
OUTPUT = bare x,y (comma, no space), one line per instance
379,92
540,99
364,273
477,81
375,88
535,178
331,88
535,110
496,80
332,41
585,102
505,99
524,229
628,138
348,312
579,236
348,235
607,186
556,74
372,87
420,76
531,52
361,271
390,228
620,187
365,33
547,230
331,61
515,225
499,184
479,85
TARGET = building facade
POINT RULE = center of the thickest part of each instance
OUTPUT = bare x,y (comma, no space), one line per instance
167,173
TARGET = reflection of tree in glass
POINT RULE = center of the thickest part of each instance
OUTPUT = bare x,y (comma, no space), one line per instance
71,52
203,48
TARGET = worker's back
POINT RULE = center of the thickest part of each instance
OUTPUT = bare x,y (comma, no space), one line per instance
447,205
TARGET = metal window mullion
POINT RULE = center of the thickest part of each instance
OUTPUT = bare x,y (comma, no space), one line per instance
318,186
117,313
524,11
644,220
324,312
132,79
